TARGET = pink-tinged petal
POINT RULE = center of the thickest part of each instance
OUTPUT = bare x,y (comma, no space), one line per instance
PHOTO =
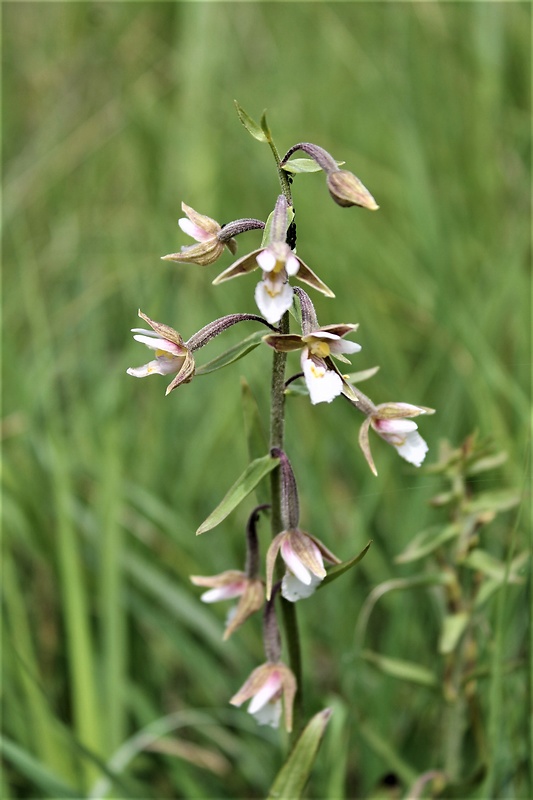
156,343
268,690
413,449
293,589
294,563
193,230
223,592
323,384
266,260
292,265
273,306
394,426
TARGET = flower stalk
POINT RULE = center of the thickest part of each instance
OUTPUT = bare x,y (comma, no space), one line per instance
277,429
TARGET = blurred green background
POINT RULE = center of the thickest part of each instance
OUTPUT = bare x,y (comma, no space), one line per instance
113,113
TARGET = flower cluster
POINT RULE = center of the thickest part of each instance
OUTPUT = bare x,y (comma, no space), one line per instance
303,559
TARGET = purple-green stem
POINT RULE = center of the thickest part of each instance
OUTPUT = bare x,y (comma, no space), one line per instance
277,426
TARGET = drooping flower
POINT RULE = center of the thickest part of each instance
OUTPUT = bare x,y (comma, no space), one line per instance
171,354
304,558
323,380
278,262
393,422
206,232
266,687
228,585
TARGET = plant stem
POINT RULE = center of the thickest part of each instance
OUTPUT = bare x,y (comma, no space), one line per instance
277,427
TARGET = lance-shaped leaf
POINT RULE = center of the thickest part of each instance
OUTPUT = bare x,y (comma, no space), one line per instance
246,483
427,542
483,562
453,627
232,354
265,128
413,582
299,165
256,436
339,569
252,127
291,779
404,670
496,501
267,232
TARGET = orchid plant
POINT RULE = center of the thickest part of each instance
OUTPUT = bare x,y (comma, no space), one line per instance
305,562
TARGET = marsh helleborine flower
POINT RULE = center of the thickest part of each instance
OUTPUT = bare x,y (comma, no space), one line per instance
278,262
323,381
171,354
304,558
206,232
392,421
266,687
228,585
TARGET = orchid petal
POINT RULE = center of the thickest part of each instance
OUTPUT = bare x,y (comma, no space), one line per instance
323,384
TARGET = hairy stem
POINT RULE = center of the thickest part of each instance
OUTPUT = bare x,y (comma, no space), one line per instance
277,425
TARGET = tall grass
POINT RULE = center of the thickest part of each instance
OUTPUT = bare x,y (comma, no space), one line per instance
113,113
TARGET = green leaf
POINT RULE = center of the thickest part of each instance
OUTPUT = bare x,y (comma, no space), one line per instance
252,127
388,754
339,569
405,670
268,225
299,165
232,354
264,127
292,777
496,501
414,582
242,487
362,375
453,628
426,542
40,775
483,562
487,463
256,437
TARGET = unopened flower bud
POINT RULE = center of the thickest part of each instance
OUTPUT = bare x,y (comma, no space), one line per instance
347,190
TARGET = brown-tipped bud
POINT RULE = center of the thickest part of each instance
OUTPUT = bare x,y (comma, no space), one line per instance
347,190
290,507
